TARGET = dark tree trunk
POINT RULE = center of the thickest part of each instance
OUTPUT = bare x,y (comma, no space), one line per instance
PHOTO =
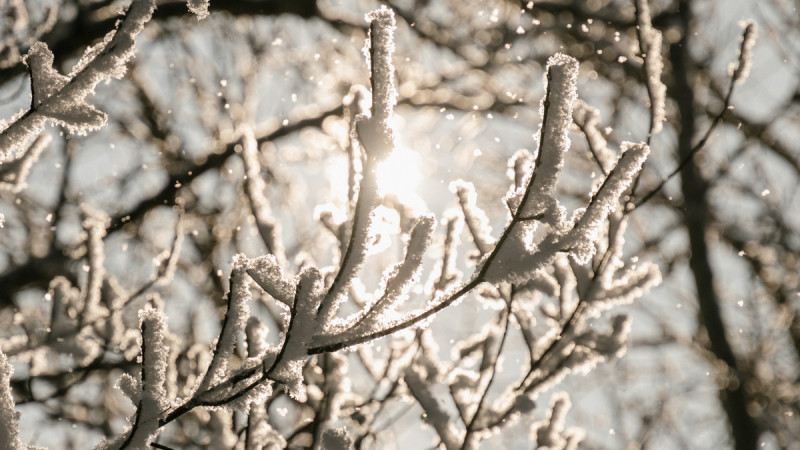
744,429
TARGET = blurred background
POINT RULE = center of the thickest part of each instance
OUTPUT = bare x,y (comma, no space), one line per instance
714,355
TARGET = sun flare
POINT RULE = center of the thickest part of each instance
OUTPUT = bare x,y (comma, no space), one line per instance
399,174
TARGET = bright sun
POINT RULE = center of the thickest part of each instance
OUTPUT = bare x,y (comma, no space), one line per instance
399,173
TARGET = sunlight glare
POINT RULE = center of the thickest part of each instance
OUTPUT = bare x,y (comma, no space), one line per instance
399,173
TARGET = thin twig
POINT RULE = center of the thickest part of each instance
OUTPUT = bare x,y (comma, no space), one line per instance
695,149
496,359
592,150
476,280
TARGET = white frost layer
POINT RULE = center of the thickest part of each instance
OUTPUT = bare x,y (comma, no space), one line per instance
556,112
62,99
9,424
198,8
650,47
741,69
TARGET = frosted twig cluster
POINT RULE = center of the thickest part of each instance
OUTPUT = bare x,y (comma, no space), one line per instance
650,41
548,271
741,68
738,71
61,99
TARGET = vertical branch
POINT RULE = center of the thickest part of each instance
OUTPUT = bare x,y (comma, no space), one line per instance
166,270
739,71
334,371
650,47
9,422
254,188
153,402
14,173
741,68
474,217
257,427
605,199
448,272
435,415
556,112
650,41
233,324
552,433
303,325
94,223
495,359
154,364
745,430
376,135
355,107
587,118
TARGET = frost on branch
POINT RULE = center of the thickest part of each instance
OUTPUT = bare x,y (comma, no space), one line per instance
631,284
520,255
446,269
519,166
94,224
551,433
9,422
267,273
546,275
255,337
376,132
399,279
152,397
155,355
608,345
585,232
233,325
260,435
221,425
416,378
587,118
75,322
198,8
741,68
61,99
650,46
303,326
556,113
14,173
254,188
474,217
46,87
167,261
376,135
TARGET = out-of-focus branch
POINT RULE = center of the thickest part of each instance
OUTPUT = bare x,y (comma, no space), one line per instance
39,271
744,429
90,23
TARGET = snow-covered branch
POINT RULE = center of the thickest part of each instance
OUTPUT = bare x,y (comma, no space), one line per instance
61,99
547,272
9,420
650,41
